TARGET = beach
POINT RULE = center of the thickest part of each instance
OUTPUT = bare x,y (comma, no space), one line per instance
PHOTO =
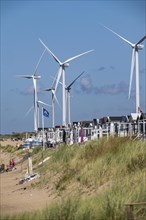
17,198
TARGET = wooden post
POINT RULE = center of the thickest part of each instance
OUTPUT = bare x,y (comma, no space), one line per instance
129,209
129,212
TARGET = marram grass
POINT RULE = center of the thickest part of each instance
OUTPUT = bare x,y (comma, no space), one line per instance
104,175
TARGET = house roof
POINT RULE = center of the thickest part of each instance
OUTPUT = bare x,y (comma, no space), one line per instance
135,116
118,119
86,123
143,116
113,119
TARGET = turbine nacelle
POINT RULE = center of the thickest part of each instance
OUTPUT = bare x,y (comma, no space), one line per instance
68,89
49,89
43,103
36,77
66,64
29,76
139,46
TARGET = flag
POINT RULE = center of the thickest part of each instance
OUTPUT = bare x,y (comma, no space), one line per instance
45,113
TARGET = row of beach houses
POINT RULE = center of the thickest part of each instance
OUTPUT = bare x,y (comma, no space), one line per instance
133,125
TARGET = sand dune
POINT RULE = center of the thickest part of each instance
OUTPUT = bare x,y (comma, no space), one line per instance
18,198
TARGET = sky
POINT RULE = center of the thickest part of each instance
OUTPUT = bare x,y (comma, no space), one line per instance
69,28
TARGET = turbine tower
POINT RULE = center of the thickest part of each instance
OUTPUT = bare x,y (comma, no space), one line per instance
61,71
52,90
34,77
134,63
68,88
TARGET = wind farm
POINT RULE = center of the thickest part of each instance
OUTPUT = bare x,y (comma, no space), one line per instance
66,89
133,124
73,110
94,127
106,80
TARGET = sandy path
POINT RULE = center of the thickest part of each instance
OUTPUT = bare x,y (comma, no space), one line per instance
17,198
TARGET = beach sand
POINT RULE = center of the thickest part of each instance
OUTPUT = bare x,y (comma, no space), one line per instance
17,198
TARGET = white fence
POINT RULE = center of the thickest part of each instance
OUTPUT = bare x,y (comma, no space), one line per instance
137,130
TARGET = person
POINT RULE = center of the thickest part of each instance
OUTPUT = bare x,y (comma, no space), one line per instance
64,136
10,163
116,129
71,136
74,134
8,167
13,163
2,168
82,134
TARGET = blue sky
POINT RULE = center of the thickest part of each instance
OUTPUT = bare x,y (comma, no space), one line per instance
69,28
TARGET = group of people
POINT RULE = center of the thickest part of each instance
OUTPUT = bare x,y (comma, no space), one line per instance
9,167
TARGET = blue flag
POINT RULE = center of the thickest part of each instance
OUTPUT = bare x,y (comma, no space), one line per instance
45,113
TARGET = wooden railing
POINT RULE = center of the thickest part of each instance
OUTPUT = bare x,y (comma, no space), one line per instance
130,210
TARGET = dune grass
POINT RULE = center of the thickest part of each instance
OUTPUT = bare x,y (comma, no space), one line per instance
94,180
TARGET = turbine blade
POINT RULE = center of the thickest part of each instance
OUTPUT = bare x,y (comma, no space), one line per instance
54,78
43,103
54,97
69,86
47,89
72,58
58,78
55,58
29,110
39,61
142,39
132,69
24,76
119,36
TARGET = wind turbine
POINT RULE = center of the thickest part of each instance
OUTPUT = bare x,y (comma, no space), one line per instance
134,63
52,90
68,88
34,77
61,71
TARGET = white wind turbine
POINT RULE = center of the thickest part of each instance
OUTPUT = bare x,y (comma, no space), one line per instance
34,77
61,71
52,90
134,63
68,88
